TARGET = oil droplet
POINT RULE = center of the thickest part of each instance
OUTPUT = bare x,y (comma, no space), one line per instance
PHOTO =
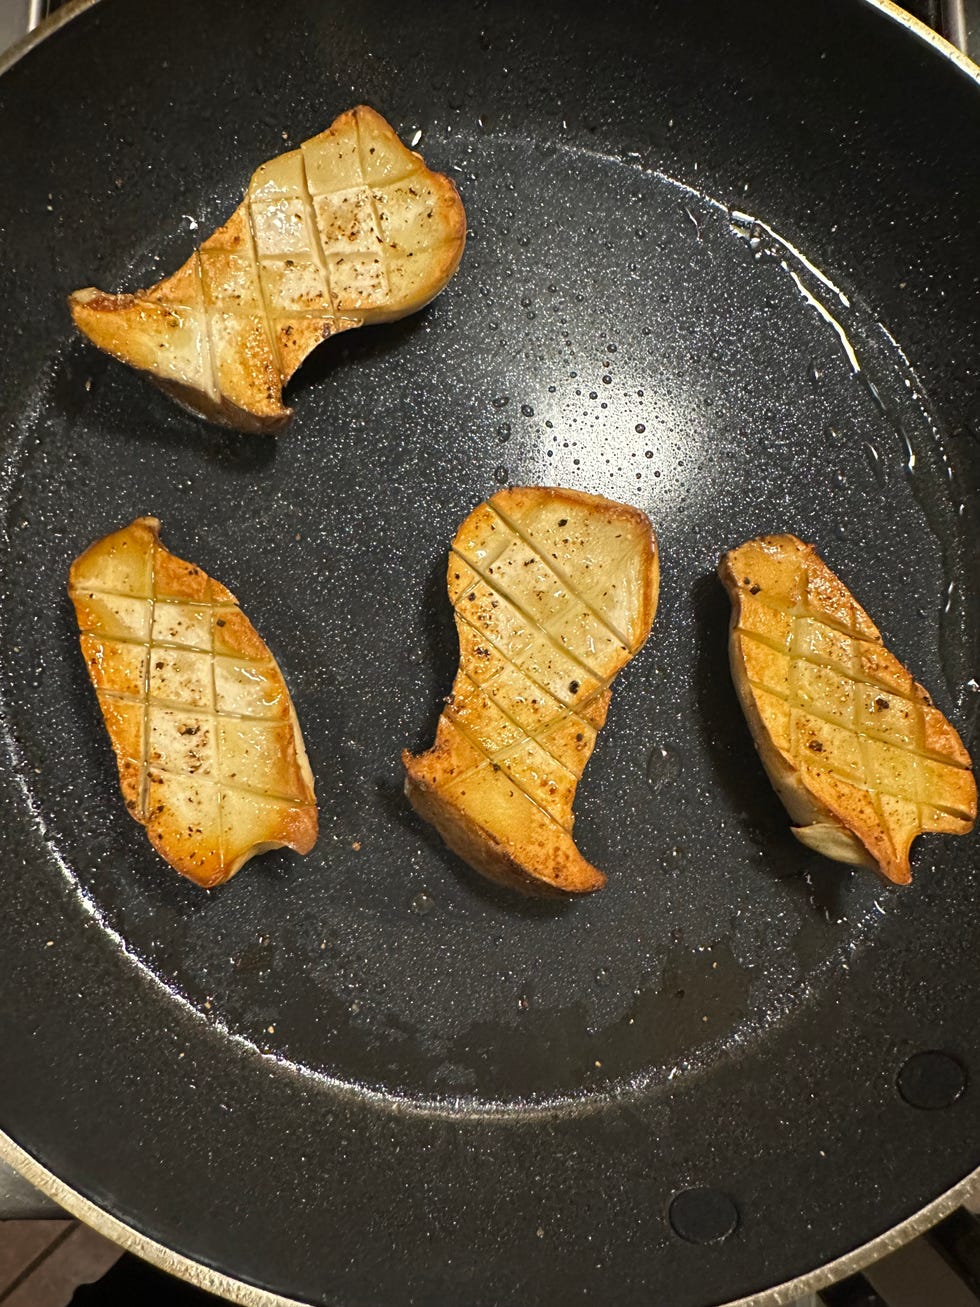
874,462
834,438
910,459
639,428
663,766
527,411
422,903
503,431
501,401
501,474
603,976
524,1002
873,391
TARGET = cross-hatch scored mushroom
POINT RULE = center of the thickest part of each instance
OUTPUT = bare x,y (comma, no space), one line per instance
554,592
350,229
211,758
861,758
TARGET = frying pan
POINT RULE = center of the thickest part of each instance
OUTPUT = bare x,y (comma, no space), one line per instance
723,264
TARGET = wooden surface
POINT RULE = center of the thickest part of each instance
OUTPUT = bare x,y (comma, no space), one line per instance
42,1263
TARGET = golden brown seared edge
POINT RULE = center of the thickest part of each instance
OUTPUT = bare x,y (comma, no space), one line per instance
351,228
857,751
210,754
554,592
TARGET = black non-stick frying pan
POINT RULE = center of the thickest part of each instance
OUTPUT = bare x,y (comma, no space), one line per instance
723,264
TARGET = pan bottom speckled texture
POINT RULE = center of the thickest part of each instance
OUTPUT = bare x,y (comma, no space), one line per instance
367,1075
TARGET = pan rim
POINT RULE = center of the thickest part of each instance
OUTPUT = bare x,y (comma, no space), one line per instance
249,1295
889,8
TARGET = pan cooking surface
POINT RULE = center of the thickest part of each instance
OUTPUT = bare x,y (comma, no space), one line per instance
635,357
377,1007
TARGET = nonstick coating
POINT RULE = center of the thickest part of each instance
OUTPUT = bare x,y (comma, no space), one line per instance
722,265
